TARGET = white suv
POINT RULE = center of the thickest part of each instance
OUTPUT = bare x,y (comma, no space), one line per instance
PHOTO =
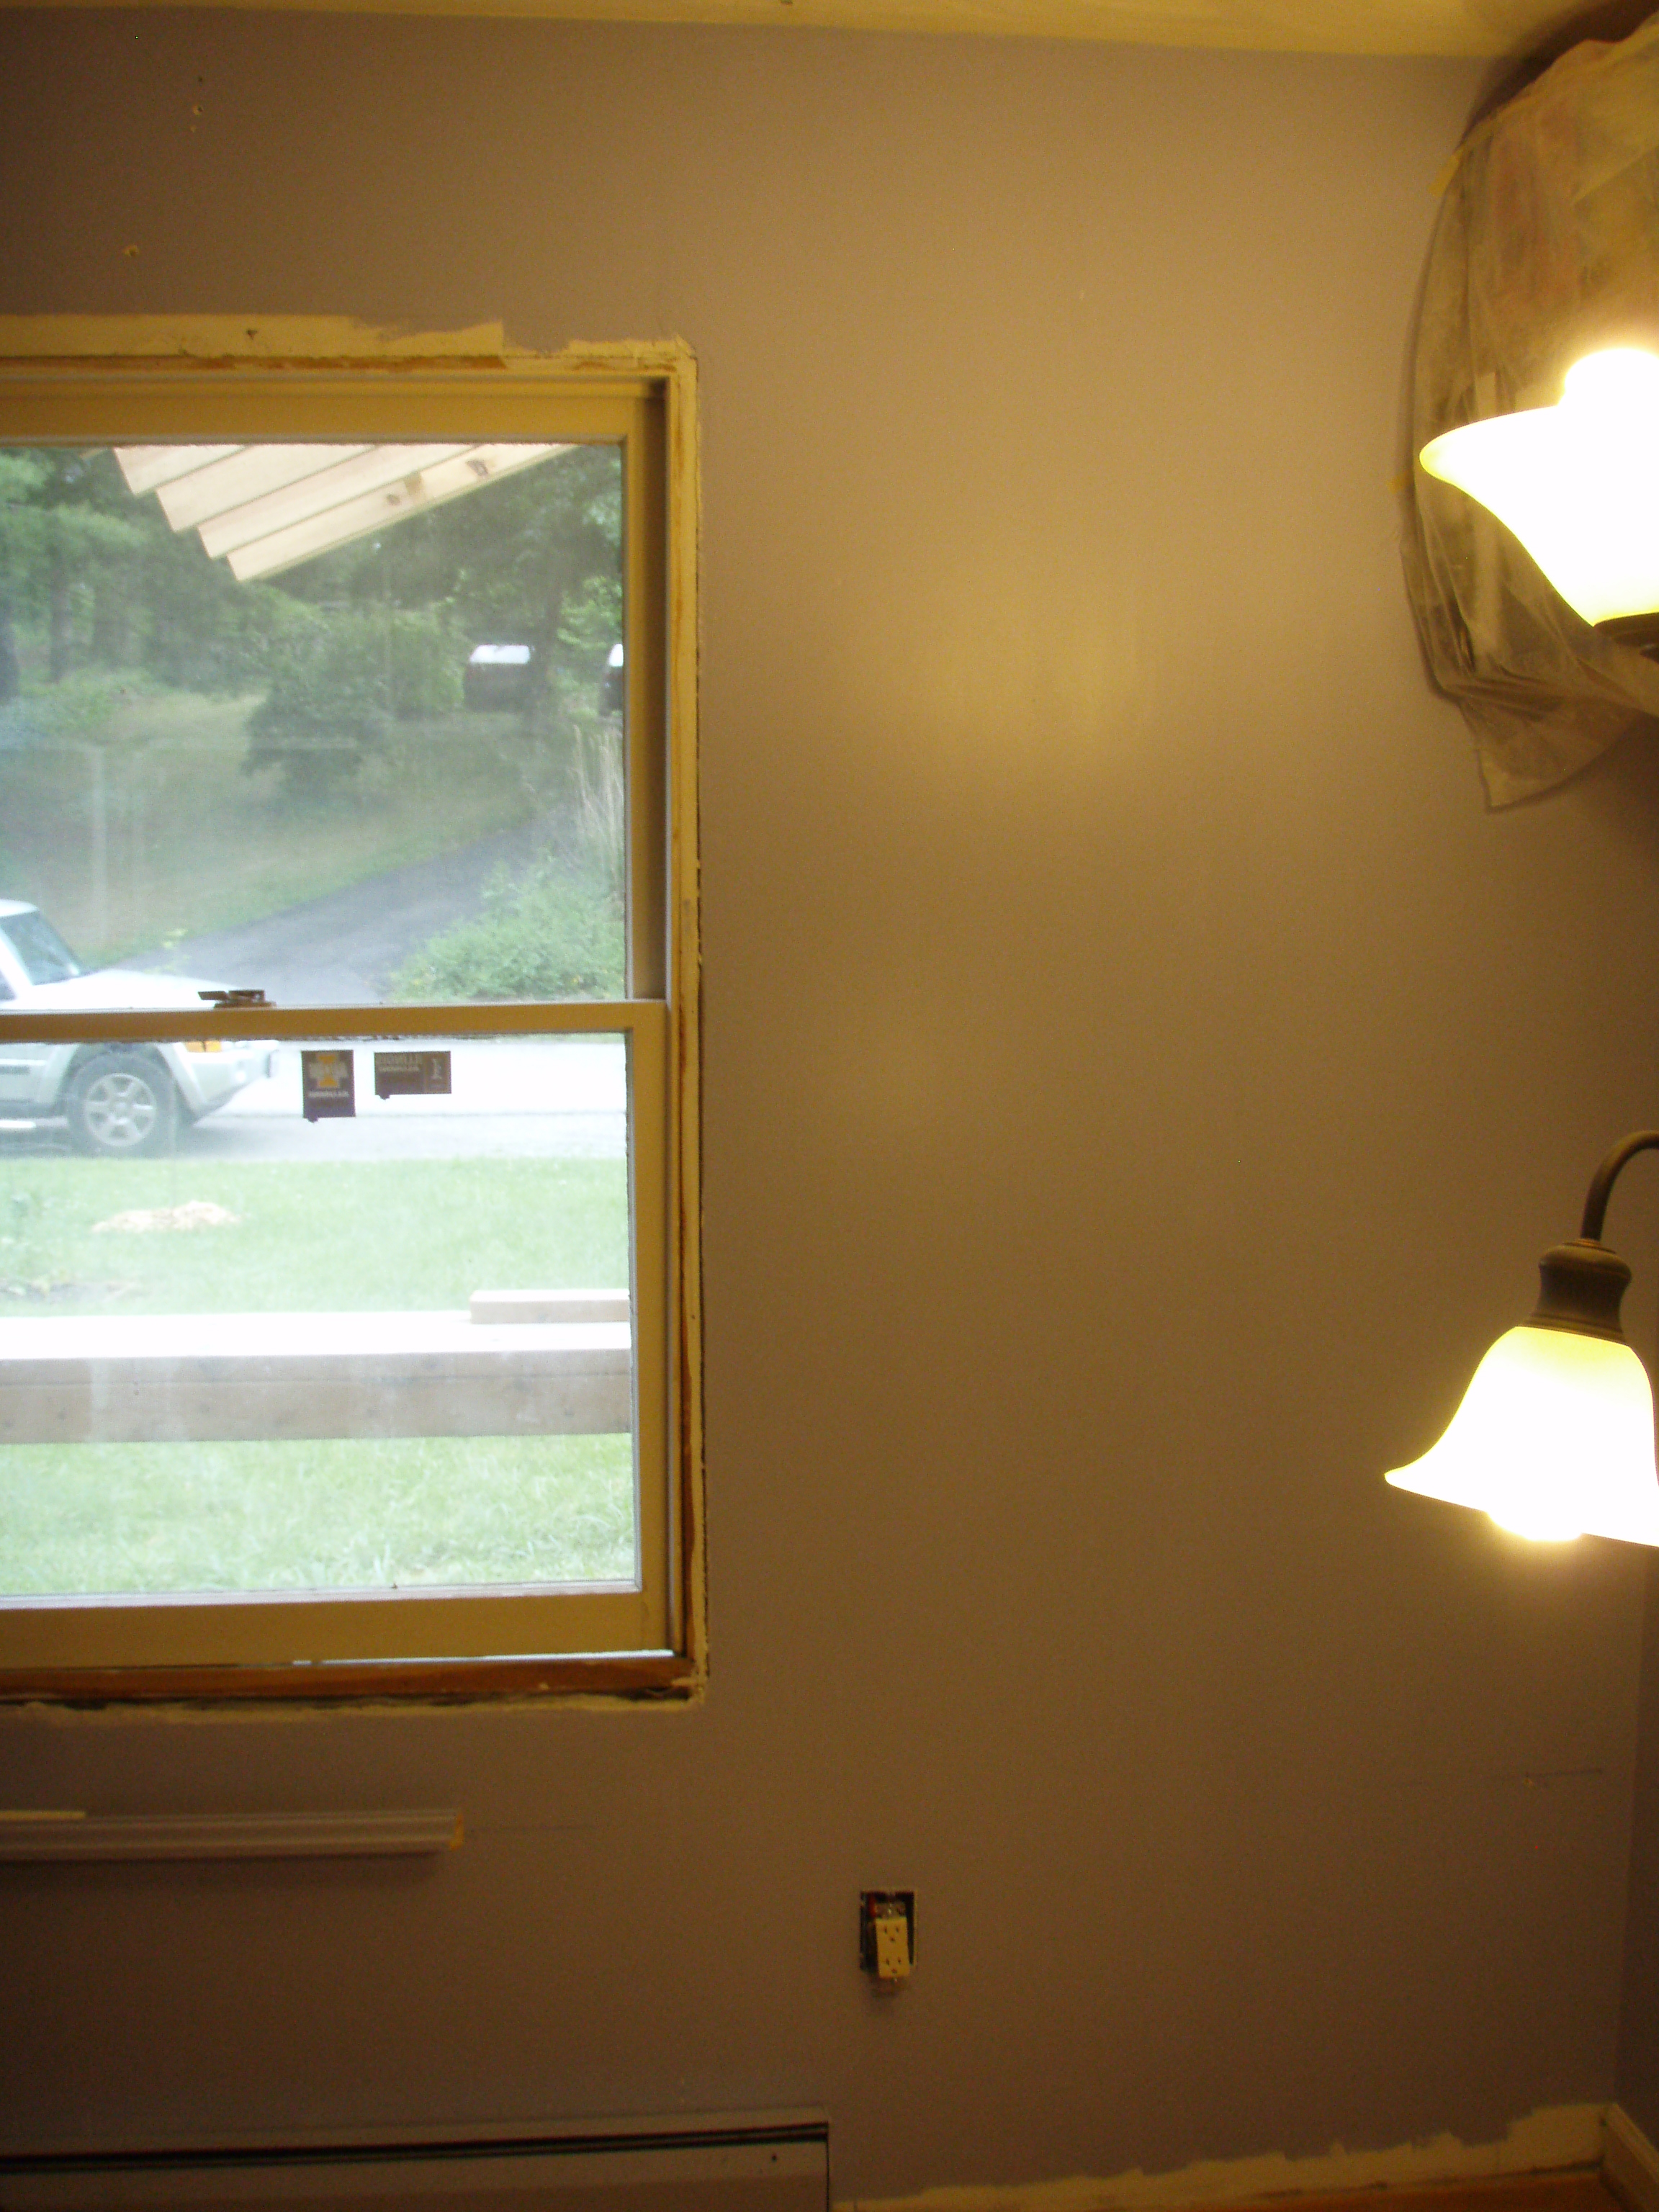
124,1100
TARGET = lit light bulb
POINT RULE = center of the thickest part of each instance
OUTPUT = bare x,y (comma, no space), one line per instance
1578,483
1554,1439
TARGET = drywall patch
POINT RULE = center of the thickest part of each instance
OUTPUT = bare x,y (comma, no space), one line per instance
1559,2135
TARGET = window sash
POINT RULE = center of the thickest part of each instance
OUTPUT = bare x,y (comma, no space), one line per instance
305,1629
445,1643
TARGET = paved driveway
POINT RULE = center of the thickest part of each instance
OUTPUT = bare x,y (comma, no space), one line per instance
341,951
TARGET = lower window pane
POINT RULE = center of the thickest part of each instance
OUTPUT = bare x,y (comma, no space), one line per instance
441,1512
383,1348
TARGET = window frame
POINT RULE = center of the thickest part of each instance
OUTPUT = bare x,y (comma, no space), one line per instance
73,382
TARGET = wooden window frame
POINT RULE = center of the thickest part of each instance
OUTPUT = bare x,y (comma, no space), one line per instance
121,380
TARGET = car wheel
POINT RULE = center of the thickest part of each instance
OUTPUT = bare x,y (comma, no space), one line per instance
123,1105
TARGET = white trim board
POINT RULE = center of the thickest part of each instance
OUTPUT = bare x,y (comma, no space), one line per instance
692,2162
1630,2163
32,1837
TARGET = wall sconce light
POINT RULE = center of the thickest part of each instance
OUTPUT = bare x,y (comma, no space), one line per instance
1578,484
1554,1436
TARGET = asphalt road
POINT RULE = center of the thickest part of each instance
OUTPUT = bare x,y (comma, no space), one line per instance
341,951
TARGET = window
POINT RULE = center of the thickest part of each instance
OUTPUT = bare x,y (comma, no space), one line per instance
348,960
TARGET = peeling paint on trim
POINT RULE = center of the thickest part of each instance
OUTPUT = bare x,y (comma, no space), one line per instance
1559,2135
248,338
31,343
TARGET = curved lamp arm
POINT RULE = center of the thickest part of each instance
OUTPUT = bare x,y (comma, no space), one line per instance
1601,1182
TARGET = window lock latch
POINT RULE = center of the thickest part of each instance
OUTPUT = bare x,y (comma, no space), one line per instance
235,998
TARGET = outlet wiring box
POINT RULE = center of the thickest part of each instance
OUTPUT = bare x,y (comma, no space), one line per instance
887,1935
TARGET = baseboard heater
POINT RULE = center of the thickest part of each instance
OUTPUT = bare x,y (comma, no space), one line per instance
762,2162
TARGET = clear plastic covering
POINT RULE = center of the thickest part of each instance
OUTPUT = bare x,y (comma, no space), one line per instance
1547,249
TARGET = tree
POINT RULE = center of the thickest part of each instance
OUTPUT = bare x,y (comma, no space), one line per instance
339,678
59,532
21,475
534,559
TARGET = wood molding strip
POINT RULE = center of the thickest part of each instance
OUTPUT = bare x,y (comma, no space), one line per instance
649,1674
1630,2163
37,1839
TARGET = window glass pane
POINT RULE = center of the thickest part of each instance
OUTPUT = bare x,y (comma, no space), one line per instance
342,723
366,1324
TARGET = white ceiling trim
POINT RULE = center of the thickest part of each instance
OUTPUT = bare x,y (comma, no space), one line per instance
1472,28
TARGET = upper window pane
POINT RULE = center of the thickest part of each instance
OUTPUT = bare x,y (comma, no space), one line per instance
342,723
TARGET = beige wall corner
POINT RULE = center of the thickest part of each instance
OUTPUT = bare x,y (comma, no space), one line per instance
1558,2136
1630,2162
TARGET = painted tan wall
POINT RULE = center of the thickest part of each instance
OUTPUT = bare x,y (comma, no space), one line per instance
1114,987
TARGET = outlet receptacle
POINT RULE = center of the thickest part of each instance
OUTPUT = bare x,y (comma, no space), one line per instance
887,1935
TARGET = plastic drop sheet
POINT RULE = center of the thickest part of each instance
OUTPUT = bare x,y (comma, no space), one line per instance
1547,248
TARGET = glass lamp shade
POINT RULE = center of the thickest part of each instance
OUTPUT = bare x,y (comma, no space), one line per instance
1578,483
1555,1439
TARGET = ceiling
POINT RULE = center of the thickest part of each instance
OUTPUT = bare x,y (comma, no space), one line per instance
1475,27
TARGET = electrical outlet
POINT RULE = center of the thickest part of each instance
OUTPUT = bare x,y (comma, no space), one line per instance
892,1948
887,1935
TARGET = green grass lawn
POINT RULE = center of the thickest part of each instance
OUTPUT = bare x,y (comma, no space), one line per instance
370,1514
383,1236
152,830
315,1237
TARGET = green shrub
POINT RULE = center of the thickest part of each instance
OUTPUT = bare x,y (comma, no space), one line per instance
337,682
425,652
555,934
79,709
